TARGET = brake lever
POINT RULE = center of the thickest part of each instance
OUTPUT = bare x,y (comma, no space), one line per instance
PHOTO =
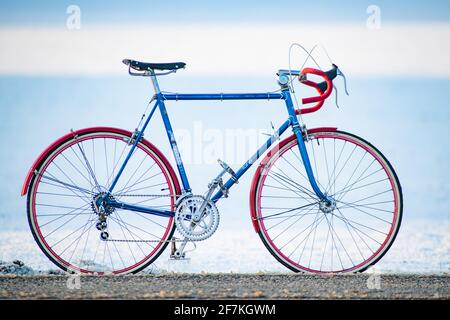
340,73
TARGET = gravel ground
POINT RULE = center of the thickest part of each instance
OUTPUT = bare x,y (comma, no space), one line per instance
226,286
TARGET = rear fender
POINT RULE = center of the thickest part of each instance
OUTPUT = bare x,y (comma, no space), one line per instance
37,164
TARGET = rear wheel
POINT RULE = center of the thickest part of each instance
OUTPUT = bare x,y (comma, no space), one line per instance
347,235
61,204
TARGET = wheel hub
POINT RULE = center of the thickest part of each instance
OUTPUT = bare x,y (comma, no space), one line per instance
100,206
327,206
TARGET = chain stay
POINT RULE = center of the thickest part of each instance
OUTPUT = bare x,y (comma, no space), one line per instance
144,196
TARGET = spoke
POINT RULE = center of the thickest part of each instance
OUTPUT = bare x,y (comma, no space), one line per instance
147,218
297,191
324,249
69,213
291,239
363,186
289,210
345,164
347,223
330,225
297,185
88,165
62,214
118,253
47,235
78,170
118,161
280,197
283,217
90,222
351,223
311,227
336,163
301,216
312,246
106,160
67,185
58,194
353,238
128,243
119,220
350,205
136,170
354,171
85,245
306,238
148,187
135,227
127,190
306,178
365,212
83,226
349,188
110,256
326,162
93,154
358,179
315,162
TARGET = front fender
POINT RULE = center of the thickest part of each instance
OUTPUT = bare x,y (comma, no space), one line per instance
254,186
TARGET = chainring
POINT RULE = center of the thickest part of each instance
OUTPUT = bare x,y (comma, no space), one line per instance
185,218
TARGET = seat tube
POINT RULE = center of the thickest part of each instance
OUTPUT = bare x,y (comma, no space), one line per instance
170,135
301,145
173,144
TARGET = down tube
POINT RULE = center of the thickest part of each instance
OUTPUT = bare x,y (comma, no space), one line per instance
253,159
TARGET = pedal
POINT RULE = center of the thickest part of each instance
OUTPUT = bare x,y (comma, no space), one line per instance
177,254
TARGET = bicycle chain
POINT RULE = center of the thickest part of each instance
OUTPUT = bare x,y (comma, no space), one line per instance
145,195
152,241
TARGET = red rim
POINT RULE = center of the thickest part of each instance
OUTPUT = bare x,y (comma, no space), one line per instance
271,159
150,152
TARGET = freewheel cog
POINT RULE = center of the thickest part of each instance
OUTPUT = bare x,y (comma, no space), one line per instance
193,224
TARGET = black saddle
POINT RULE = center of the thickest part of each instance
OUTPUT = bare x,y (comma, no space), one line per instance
147,66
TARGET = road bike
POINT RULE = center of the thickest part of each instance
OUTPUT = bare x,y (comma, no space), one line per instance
106,201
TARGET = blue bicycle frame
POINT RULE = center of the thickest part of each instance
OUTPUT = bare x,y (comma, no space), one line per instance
160,98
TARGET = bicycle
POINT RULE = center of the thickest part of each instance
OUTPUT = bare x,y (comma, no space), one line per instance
322,200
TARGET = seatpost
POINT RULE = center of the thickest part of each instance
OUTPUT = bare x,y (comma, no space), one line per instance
155,82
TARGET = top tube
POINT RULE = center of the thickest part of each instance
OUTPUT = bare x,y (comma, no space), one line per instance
222,96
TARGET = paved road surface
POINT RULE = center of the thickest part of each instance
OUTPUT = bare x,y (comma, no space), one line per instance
227,286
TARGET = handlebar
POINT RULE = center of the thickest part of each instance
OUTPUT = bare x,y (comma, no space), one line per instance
323,88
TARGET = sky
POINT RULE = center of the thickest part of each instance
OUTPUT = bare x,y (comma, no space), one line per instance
228,38
48,13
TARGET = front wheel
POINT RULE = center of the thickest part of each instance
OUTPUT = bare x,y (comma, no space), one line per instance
62,198
348,234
